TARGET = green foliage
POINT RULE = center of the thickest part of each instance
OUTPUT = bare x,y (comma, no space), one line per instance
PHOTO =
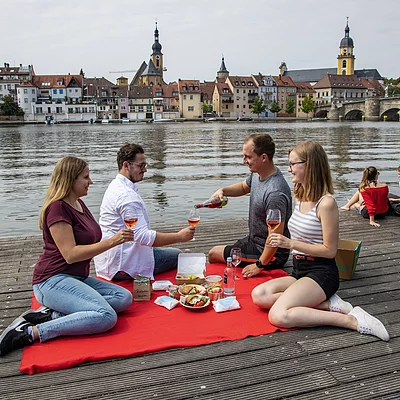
10,107
275,108
206,108
391,81
308,105
394,90
289,106
258,106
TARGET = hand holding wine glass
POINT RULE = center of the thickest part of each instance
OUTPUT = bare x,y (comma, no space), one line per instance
273,220
130,220
194,218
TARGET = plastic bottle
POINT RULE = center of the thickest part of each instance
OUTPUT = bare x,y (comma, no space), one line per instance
213,202
229,278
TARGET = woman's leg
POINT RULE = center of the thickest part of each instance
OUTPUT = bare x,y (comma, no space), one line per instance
86,310
116,296
296,308
266,294
354,202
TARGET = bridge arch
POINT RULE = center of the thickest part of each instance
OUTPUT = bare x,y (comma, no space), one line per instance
391,115
354,115
321,114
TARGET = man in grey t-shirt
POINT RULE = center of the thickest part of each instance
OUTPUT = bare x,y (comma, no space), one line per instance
268,190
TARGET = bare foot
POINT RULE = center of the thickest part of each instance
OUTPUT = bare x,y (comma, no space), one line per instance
345,208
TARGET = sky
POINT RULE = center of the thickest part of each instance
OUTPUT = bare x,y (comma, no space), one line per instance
256,36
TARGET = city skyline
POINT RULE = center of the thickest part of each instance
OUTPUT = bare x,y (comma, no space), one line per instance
253,38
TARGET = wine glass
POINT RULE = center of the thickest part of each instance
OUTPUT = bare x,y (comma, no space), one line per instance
130,220
236,255
194,219
273,220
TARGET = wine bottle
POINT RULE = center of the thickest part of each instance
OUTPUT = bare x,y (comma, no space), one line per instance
213,202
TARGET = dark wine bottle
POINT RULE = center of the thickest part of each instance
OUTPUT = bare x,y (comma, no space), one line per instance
213,202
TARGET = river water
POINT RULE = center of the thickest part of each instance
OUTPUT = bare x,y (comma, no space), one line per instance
187,162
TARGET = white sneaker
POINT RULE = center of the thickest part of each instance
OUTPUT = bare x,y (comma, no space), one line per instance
339,305
369,325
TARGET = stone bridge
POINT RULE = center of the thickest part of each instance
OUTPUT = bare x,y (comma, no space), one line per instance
370,109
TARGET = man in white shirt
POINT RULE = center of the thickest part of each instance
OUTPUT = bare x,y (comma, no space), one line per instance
122,198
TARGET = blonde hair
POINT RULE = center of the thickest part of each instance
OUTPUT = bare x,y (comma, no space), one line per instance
318,178
63,177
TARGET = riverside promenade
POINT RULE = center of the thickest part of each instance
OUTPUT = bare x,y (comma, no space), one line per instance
313,363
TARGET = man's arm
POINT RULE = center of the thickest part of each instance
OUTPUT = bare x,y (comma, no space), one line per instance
164,239
235,190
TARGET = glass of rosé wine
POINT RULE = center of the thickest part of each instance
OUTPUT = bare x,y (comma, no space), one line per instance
130,220
273,220
194,218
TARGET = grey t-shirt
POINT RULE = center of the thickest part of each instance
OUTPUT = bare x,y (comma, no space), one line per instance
272,192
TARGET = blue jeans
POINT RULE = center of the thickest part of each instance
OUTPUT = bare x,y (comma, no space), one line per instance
165,259
84,305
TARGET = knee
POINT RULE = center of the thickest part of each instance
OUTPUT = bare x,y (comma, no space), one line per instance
125,300
279,317
109,319
261,297
212,255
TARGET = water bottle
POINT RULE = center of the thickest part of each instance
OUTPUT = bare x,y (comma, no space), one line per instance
229,278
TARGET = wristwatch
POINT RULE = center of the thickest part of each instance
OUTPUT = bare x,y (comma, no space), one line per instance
259,264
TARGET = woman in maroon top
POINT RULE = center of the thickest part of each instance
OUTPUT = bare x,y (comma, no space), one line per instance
371,197
73,302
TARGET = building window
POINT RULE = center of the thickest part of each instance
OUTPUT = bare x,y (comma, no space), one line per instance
33,91
237,106
84,109
25,91
184,97
39,110
344,64
70,110
190,108
191,97
26,100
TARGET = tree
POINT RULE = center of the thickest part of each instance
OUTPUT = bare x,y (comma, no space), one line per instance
394,90
275,108
289,106
308,105
10,107
206,108
258,106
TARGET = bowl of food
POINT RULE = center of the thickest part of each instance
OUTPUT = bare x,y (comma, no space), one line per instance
185,290
194,301
213,280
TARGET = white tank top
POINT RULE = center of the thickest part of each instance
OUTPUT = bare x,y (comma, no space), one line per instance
306,227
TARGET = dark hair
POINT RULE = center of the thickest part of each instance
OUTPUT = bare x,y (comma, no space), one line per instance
128,153
263,144
370,175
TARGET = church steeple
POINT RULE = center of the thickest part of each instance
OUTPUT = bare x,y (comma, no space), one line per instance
157,55
223,72
346,58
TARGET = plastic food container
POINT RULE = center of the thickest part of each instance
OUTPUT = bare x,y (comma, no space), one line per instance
213,280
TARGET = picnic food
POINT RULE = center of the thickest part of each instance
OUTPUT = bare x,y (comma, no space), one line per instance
192,289
195,301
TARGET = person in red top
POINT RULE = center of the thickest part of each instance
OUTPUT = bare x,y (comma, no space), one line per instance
73,302
371,197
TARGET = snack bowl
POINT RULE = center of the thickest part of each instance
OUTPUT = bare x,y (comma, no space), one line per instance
213,280
186,289
191,300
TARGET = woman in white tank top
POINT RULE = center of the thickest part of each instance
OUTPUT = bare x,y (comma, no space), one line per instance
307,297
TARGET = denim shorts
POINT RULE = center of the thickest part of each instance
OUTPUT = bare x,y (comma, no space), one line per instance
322,270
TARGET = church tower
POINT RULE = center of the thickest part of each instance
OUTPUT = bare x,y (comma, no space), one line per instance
346,58
223,73
157,56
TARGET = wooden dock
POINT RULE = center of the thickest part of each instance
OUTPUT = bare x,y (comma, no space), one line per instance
314,363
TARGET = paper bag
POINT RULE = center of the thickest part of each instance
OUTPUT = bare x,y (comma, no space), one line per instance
141,288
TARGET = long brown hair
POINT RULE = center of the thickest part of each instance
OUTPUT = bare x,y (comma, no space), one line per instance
63,177
318,178
370,175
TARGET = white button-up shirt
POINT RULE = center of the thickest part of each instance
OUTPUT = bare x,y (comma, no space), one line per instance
120,198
